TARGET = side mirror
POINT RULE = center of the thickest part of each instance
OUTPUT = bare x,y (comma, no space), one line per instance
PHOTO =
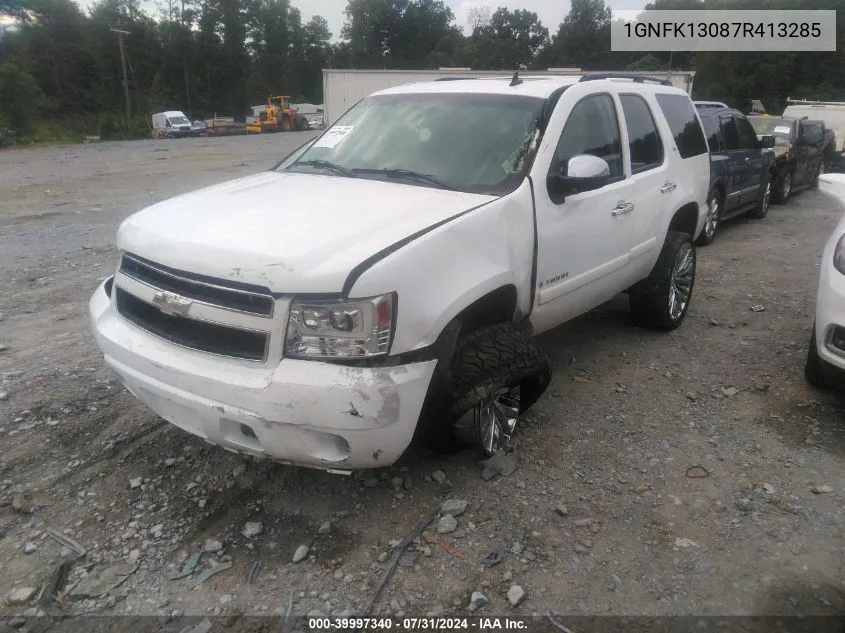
581,173
767,141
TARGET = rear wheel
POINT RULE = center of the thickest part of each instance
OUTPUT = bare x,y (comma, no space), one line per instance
497,373
662,299
762,208
711,221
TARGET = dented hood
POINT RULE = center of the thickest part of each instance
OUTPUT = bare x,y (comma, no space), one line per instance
294,233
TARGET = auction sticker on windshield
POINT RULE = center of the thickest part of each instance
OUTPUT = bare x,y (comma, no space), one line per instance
334,136
782,129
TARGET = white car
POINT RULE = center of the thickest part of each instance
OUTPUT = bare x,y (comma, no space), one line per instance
825,365
384,282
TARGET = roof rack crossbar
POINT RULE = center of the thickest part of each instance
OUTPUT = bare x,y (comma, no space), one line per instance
789,100
635,78
454,78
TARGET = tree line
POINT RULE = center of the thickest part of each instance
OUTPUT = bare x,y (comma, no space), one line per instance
61,73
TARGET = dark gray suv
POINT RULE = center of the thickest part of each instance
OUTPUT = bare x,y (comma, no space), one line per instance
741,167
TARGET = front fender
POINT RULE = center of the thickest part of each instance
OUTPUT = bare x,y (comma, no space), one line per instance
442,272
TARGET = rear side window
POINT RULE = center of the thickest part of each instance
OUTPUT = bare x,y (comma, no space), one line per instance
680,114
712,132
643,139
747,135
730,135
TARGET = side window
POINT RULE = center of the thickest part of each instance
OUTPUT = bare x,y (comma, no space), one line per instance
747,135
592,128
680,114
712,131
643,139
730,136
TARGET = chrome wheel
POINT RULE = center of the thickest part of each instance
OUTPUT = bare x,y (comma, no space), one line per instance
767,194
682,277
786,186
712,220
495,420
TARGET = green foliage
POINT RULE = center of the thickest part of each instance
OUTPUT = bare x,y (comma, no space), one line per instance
62,76
20,100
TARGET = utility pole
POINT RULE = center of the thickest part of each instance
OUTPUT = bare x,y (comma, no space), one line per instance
120,35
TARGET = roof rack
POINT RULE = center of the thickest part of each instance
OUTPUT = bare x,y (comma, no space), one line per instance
635,78
454,78
790,101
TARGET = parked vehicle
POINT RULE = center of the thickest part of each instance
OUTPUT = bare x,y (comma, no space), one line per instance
199,127
279,115
825,366
741,167
385,280
171,124
832,114
798,150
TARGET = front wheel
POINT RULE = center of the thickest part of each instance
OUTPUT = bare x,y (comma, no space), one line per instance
711,221
762,208
662,299
813,368
784,188
497,373
814,183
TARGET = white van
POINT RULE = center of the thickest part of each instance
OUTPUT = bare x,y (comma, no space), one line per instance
171,124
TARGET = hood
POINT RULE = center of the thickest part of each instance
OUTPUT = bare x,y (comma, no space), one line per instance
294,233
833,185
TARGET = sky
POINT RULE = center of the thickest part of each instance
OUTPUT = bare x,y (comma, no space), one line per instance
550,12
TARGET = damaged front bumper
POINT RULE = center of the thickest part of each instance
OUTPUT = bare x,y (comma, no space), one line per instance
306,413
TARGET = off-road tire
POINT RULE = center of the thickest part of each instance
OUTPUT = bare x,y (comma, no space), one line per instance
301,123
781,193
485,361
762,209
649,299
704,239
814,368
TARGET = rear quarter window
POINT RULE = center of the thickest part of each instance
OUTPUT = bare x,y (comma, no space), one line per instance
711,128
680,114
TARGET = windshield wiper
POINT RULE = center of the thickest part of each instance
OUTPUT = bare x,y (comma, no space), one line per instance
326,164
406,174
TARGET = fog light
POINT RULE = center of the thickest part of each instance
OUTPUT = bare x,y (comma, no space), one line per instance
836,339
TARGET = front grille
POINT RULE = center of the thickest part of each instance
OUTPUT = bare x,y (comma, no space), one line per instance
234,296
200,335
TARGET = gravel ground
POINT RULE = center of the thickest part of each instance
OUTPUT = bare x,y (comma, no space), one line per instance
661,474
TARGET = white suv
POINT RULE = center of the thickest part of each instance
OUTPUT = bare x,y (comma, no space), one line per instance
386,279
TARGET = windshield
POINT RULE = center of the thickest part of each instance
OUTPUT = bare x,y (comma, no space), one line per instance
479,143
771,126
178,120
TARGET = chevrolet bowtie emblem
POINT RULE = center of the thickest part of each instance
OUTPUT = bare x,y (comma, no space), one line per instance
171,303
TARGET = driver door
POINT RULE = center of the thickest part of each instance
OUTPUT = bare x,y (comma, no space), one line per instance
584,239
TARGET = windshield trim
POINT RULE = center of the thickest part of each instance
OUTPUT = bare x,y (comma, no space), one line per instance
504,187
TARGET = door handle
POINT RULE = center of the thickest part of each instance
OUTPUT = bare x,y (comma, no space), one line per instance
668,186
622,207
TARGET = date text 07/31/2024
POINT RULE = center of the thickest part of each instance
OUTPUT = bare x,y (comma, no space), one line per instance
419,624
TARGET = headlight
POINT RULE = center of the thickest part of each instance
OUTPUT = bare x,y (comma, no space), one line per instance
360,328
839,255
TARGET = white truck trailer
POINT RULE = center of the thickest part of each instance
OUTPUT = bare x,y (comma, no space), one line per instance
344,88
